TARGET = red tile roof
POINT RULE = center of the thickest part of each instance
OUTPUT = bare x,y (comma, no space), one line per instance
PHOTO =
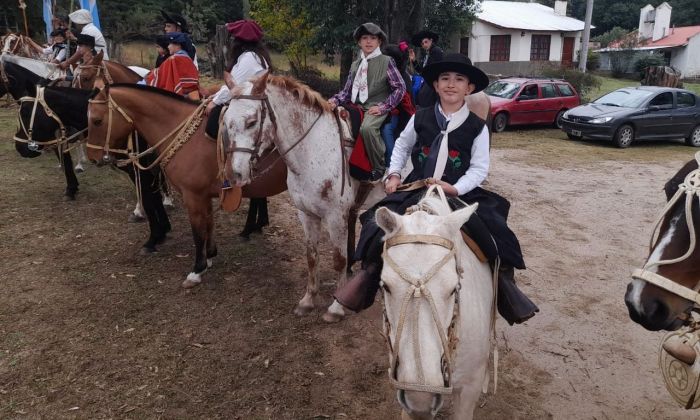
676,37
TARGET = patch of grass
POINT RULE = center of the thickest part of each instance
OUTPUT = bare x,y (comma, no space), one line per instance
608,84
551,148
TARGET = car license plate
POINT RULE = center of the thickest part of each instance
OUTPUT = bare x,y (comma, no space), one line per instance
576,132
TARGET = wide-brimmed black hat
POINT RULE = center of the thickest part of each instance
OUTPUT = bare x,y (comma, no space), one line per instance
458,63
420,36
162,41
369,28
176,19
87,40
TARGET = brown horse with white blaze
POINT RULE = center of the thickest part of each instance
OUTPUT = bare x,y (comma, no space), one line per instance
664,292
169,124
98,72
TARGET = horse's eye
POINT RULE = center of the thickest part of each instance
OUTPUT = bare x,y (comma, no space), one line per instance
250,124
98,123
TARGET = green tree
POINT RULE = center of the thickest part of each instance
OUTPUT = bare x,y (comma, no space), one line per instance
615,34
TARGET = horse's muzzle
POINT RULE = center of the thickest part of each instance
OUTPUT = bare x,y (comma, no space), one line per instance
419,405
26,151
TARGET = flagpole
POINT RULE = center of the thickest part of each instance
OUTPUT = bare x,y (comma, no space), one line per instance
23,6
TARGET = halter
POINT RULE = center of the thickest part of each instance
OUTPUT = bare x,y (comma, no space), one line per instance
7,42
179,135
101,68
416,292
34,144
266,108
690,188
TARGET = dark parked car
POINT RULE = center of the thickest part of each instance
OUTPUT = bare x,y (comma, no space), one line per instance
637,113
517,101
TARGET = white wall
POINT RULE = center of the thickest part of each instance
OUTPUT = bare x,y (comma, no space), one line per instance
480,43
646,29
691,66
662,23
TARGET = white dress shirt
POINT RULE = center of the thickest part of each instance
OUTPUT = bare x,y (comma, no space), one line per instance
478,165
247,66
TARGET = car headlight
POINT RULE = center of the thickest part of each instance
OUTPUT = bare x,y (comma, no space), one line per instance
566,115
601,120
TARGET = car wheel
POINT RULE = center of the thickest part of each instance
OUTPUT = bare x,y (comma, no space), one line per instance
694,138
624,136
572,137
500,121
557,119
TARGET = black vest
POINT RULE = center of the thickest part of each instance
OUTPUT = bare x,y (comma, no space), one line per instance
459,146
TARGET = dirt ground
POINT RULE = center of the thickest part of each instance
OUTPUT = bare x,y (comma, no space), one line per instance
91,329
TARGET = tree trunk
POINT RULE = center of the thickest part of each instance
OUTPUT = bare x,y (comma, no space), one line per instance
662,76
346,56
218,49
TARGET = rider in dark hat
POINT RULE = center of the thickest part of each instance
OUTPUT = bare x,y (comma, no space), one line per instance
178,73
448,146
86,47
430,52
161,42
173,22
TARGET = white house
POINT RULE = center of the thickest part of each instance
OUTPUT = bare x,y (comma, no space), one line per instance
517,38
680,46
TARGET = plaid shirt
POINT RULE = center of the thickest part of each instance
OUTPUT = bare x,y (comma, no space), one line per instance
398,88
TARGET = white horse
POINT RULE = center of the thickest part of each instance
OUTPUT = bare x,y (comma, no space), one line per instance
438,309
309,137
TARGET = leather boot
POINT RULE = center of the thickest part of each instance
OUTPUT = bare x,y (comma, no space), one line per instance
359,292
513,305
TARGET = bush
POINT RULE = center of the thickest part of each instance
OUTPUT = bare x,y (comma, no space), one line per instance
644,60
593,61
584,83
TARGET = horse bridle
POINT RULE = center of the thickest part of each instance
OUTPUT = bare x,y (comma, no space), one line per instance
266,109
32,144
416,292
690,188
17,44
101,68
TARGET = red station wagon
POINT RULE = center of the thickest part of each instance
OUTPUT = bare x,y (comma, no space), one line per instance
516,101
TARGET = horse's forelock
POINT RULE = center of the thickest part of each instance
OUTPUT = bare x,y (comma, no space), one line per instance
435,205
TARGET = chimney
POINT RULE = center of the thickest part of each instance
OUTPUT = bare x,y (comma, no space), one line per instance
560,7
662,23
646,22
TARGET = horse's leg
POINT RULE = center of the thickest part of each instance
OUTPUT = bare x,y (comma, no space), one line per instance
312,232
263,219
196,205
81,158
71,179
464,400
340,241
165,189
211,245
153,207
250,220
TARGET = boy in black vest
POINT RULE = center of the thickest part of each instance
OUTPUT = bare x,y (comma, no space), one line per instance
448,146
376,85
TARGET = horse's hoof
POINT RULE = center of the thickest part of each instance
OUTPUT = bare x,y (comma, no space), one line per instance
147,250
134,218
161,240
69,197
192,280
245,235
303,310
210,262
332,318
79,169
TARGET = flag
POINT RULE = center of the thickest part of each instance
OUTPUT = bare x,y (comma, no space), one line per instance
48,15
91,6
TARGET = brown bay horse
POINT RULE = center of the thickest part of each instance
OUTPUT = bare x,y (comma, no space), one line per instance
664,292
98,72
192,170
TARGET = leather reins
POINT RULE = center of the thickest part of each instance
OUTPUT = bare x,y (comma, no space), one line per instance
101,69
690,190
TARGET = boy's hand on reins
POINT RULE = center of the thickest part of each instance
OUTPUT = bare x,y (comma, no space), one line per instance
210,106
391,184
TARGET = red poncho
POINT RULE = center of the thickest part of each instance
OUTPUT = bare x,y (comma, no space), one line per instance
177,74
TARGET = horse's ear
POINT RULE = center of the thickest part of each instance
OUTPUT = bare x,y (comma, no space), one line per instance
389,221
260,84
100,55
459,217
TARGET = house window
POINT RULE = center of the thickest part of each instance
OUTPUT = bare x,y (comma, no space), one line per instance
500,48
539,47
